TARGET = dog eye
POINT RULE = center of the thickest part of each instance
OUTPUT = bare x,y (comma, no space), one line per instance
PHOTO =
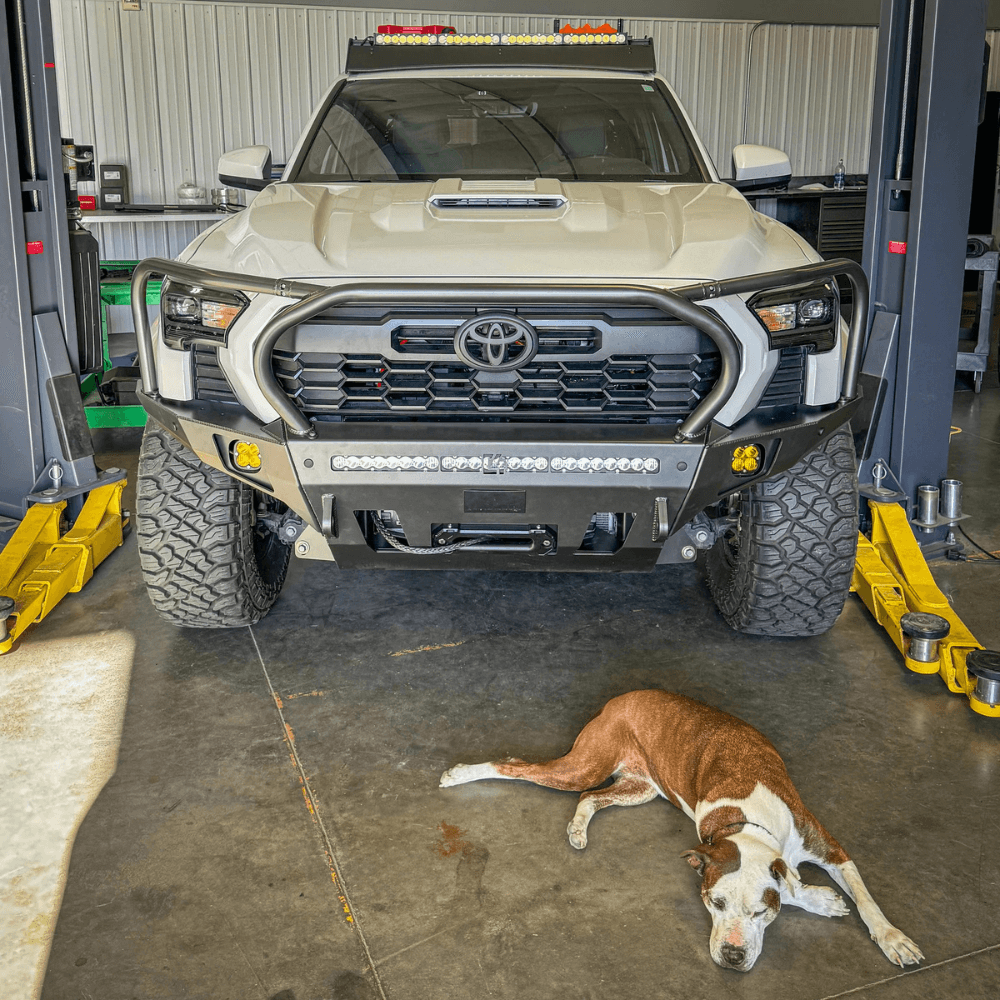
718,902
761,913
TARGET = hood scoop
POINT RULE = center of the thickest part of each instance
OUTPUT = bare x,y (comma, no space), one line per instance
452,194
498,201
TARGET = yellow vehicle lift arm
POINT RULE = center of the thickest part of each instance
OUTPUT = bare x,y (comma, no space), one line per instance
38,567
892,578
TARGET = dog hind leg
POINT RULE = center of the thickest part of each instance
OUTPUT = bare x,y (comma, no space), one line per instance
627,790
595,756
462,773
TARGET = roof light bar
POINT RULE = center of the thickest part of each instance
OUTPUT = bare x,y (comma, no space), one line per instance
413,38
439,34
602,48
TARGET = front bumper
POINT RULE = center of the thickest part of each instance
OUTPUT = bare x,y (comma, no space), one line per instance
299,471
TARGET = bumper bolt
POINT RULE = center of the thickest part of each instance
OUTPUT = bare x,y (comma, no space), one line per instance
302,548
688,552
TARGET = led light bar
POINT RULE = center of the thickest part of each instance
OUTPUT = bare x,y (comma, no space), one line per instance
382,463
587,38
493,464
645,465
600,48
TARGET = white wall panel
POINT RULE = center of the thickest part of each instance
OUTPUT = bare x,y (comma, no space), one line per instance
811,92
167,89
205,87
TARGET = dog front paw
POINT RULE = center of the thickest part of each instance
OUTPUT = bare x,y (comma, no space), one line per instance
828,903
897,947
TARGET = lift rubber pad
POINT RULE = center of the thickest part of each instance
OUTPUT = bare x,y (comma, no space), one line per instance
495,501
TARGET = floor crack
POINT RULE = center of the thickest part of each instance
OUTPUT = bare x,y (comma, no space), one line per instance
913,972
313,806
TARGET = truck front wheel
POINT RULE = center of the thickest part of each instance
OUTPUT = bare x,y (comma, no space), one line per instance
208,558
782,566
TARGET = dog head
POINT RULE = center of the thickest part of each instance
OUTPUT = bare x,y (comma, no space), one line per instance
741,883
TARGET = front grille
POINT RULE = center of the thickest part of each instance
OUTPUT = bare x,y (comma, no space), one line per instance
662,388
210,382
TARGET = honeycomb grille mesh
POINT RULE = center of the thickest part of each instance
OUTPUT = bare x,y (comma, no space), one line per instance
334,386
634,388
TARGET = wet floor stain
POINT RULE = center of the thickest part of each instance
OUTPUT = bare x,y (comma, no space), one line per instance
450,842
472,861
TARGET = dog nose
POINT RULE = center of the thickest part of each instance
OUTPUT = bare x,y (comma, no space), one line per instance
733,957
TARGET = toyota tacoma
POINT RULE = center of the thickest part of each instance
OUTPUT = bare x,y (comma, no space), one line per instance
500,312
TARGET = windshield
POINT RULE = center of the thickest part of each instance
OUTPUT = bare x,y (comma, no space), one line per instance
500,129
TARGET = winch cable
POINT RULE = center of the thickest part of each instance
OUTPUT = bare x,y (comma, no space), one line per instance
418,550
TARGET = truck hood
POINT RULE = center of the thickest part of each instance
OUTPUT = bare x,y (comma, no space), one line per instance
530,230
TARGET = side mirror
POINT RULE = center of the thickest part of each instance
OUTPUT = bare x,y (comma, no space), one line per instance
248,168
760,167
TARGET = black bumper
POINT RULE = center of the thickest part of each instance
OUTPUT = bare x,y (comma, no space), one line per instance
300,472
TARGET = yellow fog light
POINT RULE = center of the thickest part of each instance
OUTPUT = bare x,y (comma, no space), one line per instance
747,459
246,456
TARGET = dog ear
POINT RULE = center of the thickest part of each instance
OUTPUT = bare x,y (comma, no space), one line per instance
784,874
697,860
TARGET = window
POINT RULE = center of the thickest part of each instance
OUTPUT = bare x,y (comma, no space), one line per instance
500,129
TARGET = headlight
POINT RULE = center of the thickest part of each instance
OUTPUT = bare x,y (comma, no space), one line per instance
194,314
807,315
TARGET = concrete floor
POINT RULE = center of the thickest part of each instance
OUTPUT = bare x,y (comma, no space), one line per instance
274,827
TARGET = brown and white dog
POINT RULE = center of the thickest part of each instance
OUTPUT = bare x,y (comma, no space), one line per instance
730,780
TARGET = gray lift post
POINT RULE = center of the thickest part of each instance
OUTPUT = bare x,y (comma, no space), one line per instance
46,452
927,99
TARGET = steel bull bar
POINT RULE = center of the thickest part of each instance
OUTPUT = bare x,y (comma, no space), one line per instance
680,303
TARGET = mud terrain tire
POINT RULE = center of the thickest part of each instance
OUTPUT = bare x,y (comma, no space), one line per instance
784,567
206,560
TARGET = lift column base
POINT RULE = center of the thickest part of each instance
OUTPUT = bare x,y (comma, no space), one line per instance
892,578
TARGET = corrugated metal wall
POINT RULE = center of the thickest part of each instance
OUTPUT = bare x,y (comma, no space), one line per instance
167,89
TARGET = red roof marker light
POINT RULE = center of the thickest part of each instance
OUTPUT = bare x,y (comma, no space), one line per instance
422,29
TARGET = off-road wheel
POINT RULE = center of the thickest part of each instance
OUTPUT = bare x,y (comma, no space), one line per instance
208,559
783,565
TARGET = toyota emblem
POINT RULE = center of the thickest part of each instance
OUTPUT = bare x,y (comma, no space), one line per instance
496,343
